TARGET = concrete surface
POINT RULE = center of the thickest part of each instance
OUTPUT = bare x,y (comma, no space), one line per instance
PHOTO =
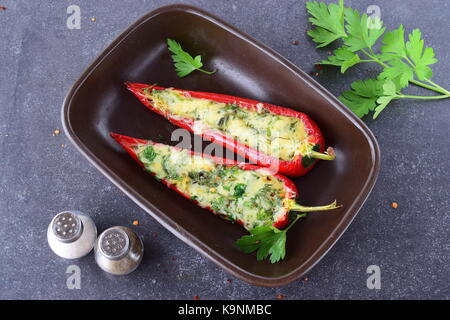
42,174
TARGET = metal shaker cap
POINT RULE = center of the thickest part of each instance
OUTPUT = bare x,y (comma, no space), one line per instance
67,226
114,243
118,250
71,234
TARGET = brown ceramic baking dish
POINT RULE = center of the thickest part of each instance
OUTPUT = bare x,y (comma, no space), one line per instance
98,103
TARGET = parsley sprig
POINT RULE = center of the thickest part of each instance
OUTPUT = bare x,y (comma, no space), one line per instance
266,240
329,21
184,62
403,62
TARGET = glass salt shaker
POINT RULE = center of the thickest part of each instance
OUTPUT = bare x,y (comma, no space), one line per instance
71,234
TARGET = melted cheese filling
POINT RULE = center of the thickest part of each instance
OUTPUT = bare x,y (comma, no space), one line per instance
278,136
253,197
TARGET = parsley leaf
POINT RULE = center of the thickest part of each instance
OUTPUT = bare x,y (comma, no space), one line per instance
266,240
368,88
360,36
369,95
417,59
389,88
343,58
420,57
399,72
363,98
329,22
184,62
394,43
382,103
389,93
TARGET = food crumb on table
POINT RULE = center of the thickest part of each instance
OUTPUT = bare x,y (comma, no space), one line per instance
196,298
394,205
56,132
93,19
135,223
281,297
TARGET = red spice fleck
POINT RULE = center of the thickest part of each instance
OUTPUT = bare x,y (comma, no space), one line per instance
2,8
281,297
394,205
196,298
229,280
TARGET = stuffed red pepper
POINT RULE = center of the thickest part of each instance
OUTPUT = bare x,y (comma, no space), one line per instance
285,140
252,196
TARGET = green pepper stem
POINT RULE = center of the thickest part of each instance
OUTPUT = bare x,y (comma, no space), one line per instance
298,207
327,155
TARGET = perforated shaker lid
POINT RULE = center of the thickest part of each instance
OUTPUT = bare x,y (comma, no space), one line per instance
67,227
114,243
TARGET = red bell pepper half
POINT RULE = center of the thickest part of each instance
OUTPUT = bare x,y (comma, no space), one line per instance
298,166
280,220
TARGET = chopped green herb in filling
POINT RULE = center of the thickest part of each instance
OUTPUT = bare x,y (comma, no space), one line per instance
253,197
279,136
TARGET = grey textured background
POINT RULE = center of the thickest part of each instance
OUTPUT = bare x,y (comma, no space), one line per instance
40,59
